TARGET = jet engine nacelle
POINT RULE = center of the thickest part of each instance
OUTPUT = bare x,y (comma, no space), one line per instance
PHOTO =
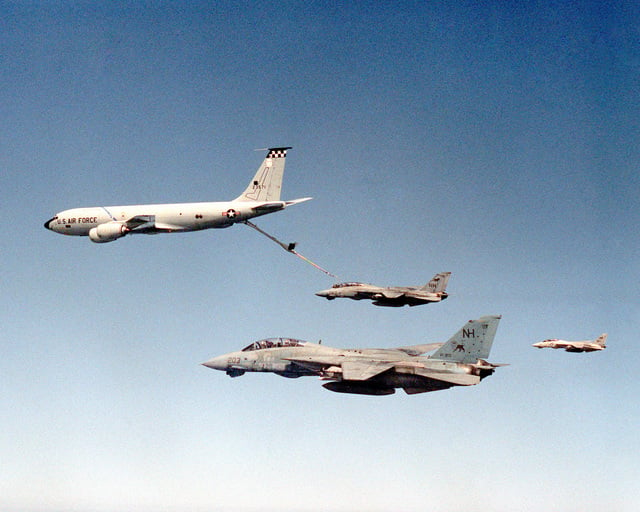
108,232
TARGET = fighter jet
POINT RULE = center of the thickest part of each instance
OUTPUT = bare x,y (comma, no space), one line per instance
108,223
461,361
600,343
392,296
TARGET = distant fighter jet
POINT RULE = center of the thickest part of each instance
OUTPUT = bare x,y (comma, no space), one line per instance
108,223
599,343
458,362
392,296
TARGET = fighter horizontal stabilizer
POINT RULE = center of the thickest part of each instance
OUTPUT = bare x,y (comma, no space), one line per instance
458,379
486,365
354,370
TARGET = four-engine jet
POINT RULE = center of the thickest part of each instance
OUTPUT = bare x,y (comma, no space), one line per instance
392,296
108,223
461,361
600,343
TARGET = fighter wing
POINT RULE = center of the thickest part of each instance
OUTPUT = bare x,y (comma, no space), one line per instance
314,363
388,294
363,370
351,370
416,350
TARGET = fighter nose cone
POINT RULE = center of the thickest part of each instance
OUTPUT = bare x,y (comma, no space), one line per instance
327,294
217,363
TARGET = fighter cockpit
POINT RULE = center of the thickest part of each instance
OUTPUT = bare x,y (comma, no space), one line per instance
343,285
273,343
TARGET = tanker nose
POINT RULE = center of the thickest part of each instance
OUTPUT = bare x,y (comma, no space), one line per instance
48,223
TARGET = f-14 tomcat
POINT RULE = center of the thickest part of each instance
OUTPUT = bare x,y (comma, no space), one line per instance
108,223
600,343
461,361
392,296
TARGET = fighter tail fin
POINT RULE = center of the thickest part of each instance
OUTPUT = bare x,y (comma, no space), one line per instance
602,339
438,283
472,342
266,184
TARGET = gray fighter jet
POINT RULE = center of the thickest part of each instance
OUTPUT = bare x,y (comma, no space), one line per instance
461,361
392,296
600,343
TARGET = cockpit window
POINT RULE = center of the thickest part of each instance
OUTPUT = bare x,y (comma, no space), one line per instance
273,343
342,285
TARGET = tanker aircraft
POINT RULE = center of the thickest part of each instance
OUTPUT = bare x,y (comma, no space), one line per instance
600,343
461,361
108,223
392,296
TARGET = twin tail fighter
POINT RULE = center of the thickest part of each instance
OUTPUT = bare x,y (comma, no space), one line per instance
461,361
392,296
108,223
600,343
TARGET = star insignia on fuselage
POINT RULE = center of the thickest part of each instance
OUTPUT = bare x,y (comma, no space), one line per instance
230,214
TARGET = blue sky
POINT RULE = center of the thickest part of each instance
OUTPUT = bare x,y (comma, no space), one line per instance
498,142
